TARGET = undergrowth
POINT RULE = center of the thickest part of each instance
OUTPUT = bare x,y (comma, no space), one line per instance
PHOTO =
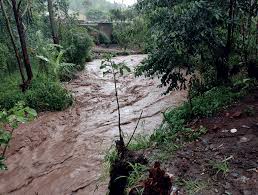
43,94
192,186
174,133
175,130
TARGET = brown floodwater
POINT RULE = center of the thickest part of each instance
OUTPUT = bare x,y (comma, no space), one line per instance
62,152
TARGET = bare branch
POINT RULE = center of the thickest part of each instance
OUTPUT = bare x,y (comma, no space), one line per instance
134,129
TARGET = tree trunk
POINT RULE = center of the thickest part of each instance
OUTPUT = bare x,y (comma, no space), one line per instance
8,26
230,27
52,22
256,50
221,62
21,32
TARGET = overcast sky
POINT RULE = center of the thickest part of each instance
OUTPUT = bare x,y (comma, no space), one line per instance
127,2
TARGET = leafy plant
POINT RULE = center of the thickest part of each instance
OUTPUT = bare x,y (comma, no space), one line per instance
12,118
197,36
111,156
110,67
137,175
165,150
250,111
192,135
140,142
77,44
173,133
194,187
220,167
51,63
46,94
43,94
245,84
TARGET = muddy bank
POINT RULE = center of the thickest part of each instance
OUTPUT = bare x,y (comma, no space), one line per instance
225,159
62,152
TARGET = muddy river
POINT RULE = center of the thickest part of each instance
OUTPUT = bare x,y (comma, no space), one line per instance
62,152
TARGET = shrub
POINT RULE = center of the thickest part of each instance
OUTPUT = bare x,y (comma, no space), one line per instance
66,71
77,44
43,94
10,93
11,119
122,35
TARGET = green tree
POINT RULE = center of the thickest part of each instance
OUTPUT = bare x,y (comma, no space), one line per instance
22,36
190,36
52,22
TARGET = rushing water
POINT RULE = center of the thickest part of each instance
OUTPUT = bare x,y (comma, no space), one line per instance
62,152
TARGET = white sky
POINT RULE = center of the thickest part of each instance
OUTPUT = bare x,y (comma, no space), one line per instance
127,2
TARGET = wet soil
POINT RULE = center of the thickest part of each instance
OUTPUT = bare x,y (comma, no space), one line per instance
62,152
194,161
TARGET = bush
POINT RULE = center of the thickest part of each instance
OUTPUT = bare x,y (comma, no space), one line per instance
77,44
43,94
10,93
122,35
66,71
203,106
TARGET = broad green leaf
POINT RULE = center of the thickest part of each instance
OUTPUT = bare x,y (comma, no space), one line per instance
43,58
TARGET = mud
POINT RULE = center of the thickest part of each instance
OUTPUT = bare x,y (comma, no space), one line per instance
62,152
193,161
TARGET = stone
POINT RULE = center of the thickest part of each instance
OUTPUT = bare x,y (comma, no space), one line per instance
215,128
244,179
244,139
236,114
228,193
212,146
236,175
227,185
233,130
225,131
205,142
247,192
245,126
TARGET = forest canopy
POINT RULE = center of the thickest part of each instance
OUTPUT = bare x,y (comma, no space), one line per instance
217,41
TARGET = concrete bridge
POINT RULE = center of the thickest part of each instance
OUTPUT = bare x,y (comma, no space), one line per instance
105,27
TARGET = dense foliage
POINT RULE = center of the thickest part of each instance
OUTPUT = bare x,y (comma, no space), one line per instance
43,94
77,43
189,36
51,48
130,29
9,121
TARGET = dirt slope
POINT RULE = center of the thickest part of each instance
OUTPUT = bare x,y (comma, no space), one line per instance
233,137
